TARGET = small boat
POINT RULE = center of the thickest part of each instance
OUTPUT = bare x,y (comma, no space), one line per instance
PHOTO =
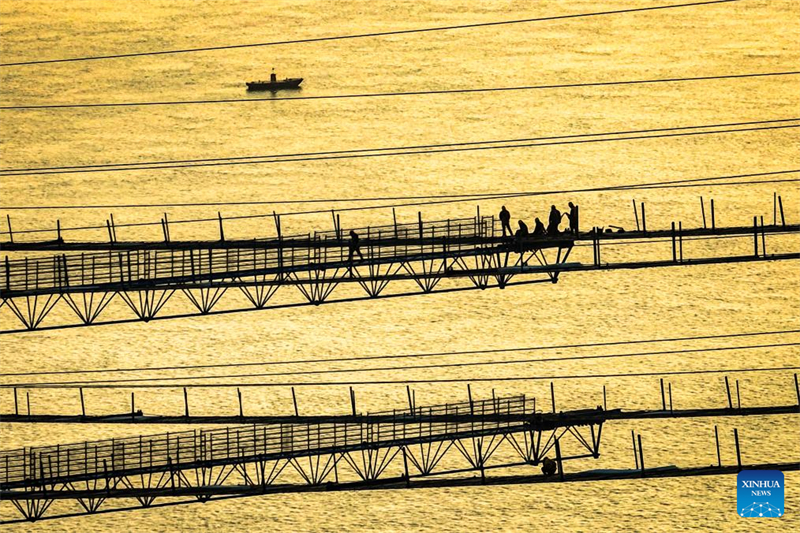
274,84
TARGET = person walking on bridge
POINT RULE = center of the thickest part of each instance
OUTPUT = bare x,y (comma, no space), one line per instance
354,247
505,220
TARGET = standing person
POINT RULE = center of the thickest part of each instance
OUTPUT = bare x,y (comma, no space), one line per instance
505,220
354,247
521,233
553,221
573,218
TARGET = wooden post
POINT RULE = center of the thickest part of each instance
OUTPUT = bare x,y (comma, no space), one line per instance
635,456
644,219
703,211
110,235
410,402
405,467
680,240
469,395
113,226
774,208
16,401
294,401
674,245
663,400
763,239
780,206
755,236
716,438
133,406
11,232
641,455
559,462
58,231
796,390
83,405
738,398
353,400
738,451
553,396
670,396
636,214
605,407
239,396
394,218
185,403
28,400
728,390
713,219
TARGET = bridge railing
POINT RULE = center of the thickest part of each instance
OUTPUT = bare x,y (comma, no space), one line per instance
105,459
143,267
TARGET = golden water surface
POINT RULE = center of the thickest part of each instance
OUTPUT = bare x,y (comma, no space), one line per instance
740,37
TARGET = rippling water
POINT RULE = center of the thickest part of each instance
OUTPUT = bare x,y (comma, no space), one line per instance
741,37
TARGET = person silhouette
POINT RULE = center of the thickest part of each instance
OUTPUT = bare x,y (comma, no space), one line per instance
572,216
521,233
354,247
538,229
505,220
553,221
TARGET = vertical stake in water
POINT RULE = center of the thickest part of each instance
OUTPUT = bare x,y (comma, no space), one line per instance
185,403
716,438
469,395
221,231
763,238
58,231
796,390
774,208
559,462
780,206
133,406
11,232
83,405
669,385
636,214
294,401
410,401
394,218
738,452
353,400
239,396
728,390
755,236
553,396
605,407
28,400
16,401
635,456
644,219
703,211
663,400
738,398
113,227
641,455
713,220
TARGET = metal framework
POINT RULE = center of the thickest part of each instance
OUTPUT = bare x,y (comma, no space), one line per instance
200,463
146,275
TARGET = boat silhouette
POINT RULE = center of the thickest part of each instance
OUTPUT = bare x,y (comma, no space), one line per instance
274,84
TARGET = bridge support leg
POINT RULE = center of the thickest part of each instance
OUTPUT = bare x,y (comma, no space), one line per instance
205,298
34,310
261,290
88,306
146,303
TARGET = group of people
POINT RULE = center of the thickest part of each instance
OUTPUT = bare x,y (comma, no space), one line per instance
539,229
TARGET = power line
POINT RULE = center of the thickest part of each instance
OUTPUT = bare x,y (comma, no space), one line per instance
656,185
404,356
398,368
652,133
418,381
464,197
361,35
403,93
